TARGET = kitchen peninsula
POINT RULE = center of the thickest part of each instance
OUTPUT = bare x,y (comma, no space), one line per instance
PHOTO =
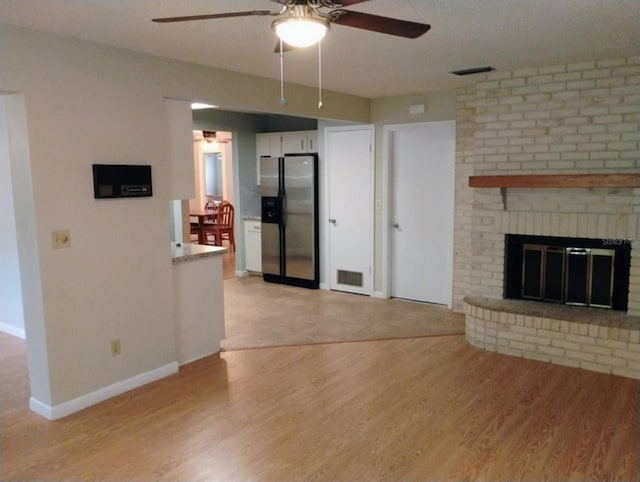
198,300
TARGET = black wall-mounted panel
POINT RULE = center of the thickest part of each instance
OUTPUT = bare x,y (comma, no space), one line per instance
121,180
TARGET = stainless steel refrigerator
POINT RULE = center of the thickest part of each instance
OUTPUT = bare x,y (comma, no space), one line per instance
289,188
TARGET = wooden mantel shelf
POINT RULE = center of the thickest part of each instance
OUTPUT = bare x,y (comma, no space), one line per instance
557,180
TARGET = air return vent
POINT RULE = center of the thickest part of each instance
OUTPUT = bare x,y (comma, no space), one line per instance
350,278
474,70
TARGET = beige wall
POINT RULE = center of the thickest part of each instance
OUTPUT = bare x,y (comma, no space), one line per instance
87,103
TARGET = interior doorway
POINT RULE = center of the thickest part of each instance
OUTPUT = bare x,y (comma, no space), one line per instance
213,160
25,273
11,302
349,157
214,178
420,165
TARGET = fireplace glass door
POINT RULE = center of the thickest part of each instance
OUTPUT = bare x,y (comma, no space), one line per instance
580,271
601,283
577,276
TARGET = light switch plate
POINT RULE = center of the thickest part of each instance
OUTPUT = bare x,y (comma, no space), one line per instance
61,238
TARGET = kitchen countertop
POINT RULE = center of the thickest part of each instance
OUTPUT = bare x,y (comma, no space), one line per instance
252,218
186,251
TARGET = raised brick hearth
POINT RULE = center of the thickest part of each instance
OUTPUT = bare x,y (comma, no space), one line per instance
590,338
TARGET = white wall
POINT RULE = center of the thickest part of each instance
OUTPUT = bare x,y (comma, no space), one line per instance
87,103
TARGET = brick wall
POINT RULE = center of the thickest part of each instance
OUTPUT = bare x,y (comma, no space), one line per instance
578,118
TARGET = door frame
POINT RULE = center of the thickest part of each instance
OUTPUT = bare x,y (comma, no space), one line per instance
387,134
325,270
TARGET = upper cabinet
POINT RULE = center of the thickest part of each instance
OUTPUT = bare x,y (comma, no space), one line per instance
299,142
277,144
268,145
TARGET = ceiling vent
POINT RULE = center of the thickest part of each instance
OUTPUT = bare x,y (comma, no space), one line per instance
475,70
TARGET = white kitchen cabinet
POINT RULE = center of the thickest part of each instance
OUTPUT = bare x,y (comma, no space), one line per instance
268,145
276,144
253,245
312,141
299,142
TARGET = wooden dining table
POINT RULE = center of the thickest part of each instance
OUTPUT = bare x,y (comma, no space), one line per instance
205,221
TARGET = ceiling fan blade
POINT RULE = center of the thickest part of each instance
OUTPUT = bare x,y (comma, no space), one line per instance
339,3
376,23
214,15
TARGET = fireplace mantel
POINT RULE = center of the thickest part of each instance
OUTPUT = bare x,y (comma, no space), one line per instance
557,180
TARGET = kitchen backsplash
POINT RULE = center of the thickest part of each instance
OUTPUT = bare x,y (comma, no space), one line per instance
250,200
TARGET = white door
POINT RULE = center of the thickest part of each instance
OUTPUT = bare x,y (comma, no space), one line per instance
422,166
349,158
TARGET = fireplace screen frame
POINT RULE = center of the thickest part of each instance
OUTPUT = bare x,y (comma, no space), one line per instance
612,254
551,278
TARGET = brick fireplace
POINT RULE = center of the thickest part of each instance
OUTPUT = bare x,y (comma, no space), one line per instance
571,119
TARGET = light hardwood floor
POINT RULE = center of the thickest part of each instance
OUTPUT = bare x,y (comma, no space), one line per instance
412,409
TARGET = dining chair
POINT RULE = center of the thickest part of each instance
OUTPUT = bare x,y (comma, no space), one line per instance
226,215
194,230
210,207
223,227
209,227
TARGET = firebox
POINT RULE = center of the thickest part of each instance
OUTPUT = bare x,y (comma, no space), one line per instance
574,271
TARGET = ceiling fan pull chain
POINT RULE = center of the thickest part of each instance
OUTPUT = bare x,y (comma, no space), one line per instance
320,75
283,101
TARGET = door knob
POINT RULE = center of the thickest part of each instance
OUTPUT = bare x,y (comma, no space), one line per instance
395,225
332,221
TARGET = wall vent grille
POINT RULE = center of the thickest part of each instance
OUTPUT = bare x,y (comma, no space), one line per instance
350,278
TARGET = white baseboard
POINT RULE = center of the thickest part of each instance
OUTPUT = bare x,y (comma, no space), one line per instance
12,330
324,286
104,393
379,294
242,274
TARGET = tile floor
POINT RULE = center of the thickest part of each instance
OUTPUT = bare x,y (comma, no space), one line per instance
260,314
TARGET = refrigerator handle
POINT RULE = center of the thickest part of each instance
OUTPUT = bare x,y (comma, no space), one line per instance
283,209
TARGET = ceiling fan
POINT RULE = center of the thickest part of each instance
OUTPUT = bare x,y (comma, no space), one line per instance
212,136
301,23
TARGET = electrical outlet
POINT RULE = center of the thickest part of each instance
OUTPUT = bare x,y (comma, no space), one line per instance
61,238
116,349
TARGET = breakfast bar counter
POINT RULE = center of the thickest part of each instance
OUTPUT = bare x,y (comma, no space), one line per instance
198,300
185,251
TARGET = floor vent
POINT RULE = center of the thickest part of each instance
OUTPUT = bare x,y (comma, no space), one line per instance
350,278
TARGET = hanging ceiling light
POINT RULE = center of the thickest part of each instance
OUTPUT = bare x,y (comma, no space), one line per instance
301,28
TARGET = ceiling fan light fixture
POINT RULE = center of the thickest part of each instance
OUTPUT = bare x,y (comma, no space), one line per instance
301,31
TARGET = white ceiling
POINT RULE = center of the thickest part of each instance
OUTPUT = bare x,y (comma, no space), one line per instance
506,34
